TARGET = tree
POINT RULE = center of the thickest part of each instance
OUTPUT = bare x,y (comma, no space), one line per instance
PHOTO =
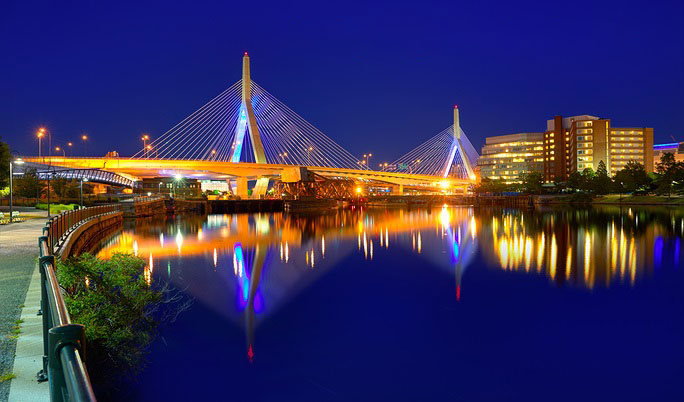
601,182
632,177
667,162
574,181
668,174
587,181
491,186
28,185
59,186
532,182
4,164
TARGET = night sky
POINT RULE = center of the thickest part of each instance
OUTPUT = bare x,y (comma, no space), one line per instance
381,78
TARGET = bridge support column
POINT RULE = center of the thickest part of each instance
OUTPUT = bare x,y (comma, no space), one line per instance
261,187
398,189
241,187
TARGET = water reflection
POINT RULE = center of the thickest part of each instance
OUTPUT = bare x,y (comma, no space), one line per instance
255,263
583,247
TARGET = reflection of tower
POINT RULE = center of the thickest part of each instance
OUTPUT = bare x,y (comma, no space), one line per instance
252,296
247,120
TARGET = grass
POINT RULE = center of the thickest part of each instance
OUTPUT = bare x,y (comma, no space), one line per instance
56,208
19,321
7,377
639,199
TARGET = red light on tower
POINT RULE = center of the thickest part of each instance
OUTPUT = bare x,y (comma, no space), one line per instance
455,106
245,53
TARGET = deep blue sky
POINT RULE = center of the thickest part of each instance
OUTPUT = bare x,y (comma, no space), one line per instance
378,78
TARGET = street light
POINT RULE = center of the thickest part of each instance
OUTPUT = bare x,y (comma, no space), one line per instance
81,188
84,137
61,149
40,134
368,159
18,162
308,152
144,139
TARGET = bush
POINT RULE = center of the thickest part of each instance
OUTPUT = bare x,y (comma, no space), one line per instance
56,208
117,305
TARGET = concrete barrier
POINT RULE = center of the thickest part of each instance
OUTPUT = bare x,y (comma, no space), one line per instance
89,234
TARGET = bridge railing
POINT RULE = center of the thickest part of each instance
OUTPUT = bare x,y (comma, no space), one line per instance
59,226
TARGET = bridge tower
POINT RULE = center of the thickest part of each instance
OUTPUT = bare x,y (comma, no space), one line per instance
247,120
457,146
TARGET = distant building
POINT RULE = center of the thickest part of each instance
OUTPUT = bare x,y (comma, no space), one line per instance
185,187
507,157
675,148
575,143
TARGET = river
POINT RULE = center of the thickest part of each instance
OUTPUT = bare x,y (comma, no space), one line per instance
449,303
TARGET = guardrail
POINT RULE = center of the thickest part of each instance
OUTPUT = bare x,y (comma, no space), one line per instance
63,341
59,226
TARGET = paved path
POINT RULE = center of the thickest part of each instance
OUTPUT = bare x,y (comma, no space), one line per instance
18,253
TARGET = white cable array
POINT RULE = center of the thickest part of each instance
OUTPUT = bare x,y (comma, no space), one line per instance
431,157
209,132
289,139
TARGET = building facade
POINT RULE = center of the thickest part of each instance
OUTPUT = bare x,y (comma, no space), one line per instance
675,148
576,143
507,157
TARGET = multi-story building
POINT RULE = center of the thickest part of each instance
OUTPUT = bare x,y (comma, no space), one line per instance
675,148
507,157
575,143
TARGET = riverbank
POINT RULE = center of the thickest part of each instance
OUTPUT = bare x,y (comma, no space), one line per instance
610,199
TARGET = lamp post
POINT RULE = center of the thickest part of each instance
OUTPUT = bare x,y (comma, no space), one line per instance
40,134
81,189
61,149
84,137
18,162
144,139
70,145
368,160
308,153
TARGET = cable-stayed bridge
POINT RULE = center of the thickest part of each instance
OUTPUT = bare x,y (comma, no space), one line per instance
245,133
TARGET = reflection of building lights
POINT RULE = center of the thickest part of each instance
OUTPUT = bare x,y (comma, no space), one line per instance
587,258
161,240
371,249
287,253
179,241
135,248
323,246
215,258
420,243
554,256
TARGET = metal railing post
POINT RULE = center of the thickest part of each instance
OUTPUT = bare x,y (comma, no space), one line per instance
58,338
45,309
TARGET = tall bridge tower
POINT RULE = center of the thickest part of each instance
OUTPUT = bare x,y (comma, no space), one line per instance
457,146
247,121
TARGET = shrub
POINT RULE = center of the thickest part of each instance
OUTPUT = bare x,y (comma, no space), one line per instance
56,208
116,305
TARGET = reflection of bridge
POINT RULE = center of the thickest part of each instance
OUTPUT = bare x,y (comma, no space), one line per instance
209,144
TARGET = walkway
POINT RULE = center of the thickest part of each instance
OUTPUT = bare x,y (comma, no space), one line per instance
18,253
